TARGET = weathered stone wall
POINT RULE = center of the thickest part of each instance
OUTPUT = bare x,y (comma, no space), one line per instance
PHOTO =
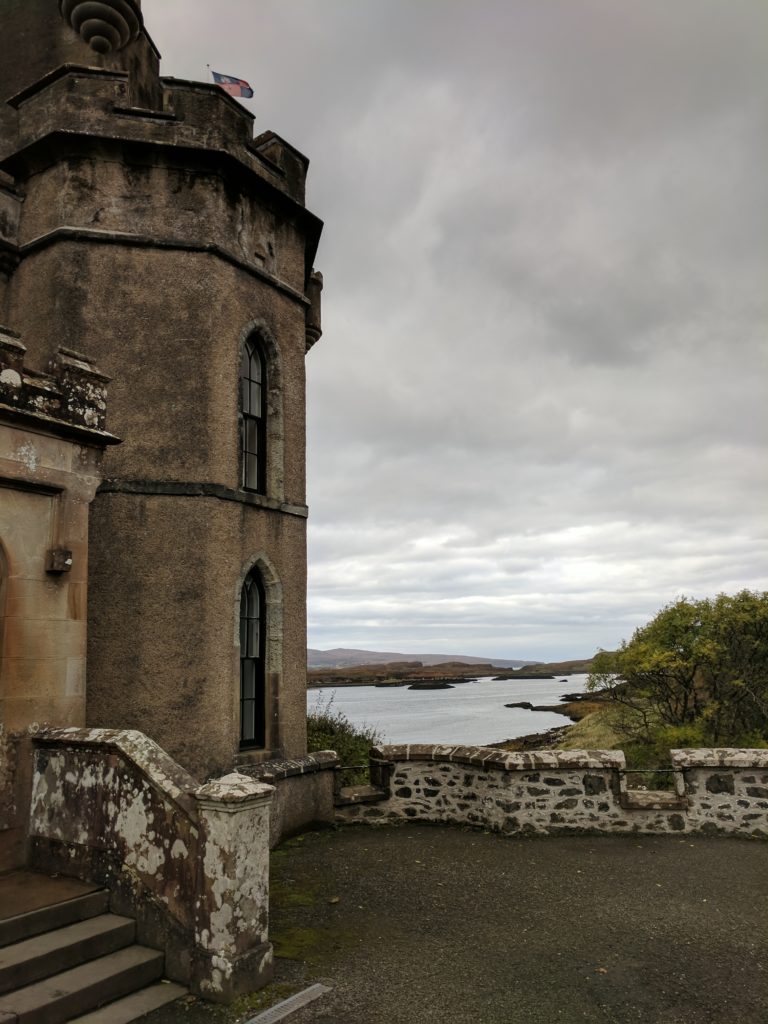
51,449
726,789
15,782
180,679
188,862
550,791
304,792
47,41
52,439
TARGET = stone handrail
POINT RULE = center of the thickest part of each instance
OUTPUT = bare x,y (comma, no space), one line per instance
188,862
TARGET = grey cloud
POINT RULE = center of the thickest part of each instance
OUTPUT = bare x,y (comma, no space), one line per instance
537,412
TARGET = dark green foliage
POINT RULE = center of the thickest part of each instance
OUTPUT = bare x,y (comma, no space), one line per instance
696,675
328,729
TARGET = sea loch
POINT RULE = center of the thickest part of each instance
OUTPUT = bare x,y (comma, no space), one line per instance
471,712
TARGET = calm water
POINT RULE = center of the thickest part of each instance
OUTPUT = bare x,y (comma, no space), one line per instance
471,712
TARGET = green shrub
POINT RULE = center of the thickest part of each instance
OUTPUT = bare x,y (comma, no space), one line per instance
699,669
329,729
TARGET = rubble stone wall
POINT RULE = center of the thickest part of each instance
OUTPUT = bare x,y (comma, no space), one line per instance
715,791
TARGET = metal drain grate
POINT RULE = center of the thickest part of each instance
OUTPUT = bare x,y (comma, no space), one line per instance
288,1006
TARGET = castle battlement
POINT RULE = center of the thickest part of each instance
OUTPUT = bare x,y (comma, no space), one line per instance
71,399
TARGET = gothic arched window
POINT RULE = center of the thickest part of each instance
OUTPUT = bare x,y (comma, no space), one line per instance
253,622
253,433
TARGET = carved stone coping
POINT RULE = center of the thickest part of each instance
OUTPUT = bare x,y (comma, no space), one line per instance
233,792
274,771
720,757
503,760
169,778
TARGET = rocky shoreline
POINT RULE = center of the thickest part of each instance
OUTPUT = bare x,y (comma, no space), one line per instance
550,738
576,706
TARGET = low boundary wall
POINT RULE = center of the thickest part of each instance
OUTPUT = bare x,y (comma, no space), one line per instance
721,790
189,863
303,792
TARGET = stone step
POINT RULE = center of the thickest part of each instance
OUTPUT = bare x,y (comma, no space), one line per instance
136,1005
359,795
78,991
45,919
53,952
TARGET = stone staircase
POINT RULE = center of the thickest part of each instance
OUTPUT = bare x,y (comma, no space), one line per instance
64,957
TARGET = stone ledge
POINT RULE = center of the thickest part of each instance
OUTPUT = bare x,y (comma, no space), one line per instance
652,800
274,771
69,232
199,489
360,795
503,760
720,757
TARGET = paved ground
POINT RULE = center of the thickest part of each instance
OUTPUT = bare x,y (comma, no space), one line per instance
419,924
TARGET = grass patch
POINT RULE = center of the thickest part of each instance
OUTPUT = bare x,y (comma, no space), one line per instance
599,730
284,894
297,943
311,946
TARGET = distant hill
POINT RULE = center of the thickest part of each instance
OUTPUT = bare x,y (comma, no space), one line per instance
550,669
348,657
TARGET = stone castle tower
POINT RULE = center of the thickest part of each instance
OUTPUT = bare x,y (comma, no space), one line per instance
142,224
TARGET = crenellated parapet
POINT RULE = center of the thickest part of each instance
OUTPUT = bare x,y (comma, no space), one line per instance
71,398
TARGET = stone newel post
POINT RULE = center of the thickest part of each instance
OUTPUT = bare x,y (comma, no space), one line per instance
232,952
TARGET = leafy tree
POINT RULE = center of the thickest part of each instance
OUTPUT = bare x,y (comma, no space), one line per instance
699,668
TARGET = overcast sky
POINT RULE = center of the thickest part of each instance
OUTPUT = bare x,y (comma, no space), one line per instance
538,411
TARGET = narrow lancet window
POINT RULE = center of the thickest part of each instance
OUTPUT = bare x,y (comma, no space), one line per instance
252,650
253,385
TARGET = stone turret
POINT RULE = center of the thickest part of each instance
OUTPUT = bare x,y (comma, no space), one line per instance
40,37
141,222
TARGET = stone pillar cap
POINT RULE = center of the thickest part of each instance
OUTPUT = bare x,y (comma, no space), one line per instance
234,788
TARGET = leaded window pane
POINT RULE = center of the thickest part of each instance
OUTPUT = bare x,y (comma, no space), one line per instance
251,472
249,721
253,637
249,679
255,367
252,399
252,679
252,436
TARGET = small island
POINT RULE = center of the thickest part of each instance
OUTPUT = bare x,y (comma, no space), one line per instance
431,684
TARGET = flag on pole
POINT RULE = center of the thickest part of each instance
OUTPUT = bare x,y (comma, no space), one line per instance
234,86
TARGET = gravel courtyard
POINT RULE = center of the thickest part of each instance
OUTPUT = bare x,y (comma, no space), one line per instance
424,924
